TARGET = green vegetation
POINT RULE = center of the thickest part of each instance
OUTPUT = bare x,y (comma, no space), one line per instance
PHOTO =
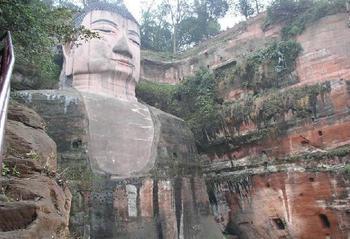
268,111
37,28
347,169
245,8
80,173
313,158
9,171
340,152
156,94
33,155
270,67
82,177
195,100
5,170
270,108
296,14
176,25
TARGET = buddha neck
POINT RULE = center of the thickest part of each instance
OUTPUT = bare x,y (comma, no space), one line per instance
111,85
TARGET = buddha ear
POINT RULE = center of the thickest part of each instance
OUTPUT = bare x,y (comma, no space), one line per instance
68,58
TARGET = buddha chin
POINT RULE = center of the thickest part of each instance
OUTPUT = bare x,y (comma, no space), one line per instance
109,78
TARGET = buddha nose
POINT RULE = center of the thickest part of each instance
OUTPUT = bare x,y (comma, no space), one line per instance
122,47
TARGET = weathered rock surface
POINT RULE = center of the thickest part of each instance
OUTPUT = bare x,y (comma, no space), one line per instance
284,205
170,201
325,53
326,130
34,203
67,124
292,184
263,189
26,116
24,140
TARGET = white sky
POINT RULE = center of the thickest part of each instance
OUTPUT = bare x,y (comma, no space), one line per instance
135,7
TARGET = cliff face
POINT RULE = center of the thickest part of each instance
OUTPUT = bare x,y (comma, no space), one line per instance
224,48
326,54
293,185
291,180
34,201
284,205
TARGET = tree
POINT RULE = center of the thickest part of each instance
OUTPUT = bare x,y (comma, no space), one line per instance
155,33
208,12
37,27
258,6
245,8
188,21
178,10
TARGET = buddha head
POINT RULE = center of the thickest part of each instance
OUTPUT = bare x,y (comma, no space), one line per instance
109,64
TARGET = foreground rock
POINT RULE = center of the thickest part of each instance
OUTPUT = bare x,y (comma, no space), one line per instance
34,202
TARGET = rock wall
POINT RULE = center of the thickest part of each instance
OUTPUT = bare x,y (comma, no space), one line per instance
326,130
293,184
67,123
326,53
34,200
226,47
285,205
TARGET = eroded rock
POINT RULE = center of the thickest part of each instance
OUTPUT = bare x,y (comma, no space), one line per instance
26,116
284,205
34,202
28,142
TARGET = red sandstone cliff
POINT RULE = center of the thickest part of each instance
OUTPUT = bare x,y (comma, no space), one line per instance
289,185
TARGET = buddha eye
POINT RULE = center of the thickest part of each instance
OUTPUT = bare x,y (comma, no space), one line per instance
135,42
104,30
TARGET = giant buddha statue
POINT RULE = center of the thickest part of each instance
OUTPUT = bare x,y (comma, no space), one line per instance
105,71
146,180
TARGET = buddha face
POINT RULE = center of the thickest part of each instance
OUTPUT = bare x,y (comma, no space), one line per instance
115,54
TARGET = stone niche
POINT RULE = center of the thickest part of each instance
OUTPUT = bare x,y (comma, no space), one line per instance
169,201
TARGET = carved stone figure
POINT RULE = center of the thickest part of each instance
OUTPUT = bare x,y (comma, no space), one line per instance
105,71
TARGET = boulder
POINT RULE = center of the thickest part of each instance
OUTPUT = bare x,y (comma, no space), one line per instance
34,200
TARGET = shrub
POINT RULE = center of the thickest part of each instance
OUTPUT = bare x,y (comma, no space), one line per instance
267,109
270,67
194,100
347,169
156,94
296,14
37,27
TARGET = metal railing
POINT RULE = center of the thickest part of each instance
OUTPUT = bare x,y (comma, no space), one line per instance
7,62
